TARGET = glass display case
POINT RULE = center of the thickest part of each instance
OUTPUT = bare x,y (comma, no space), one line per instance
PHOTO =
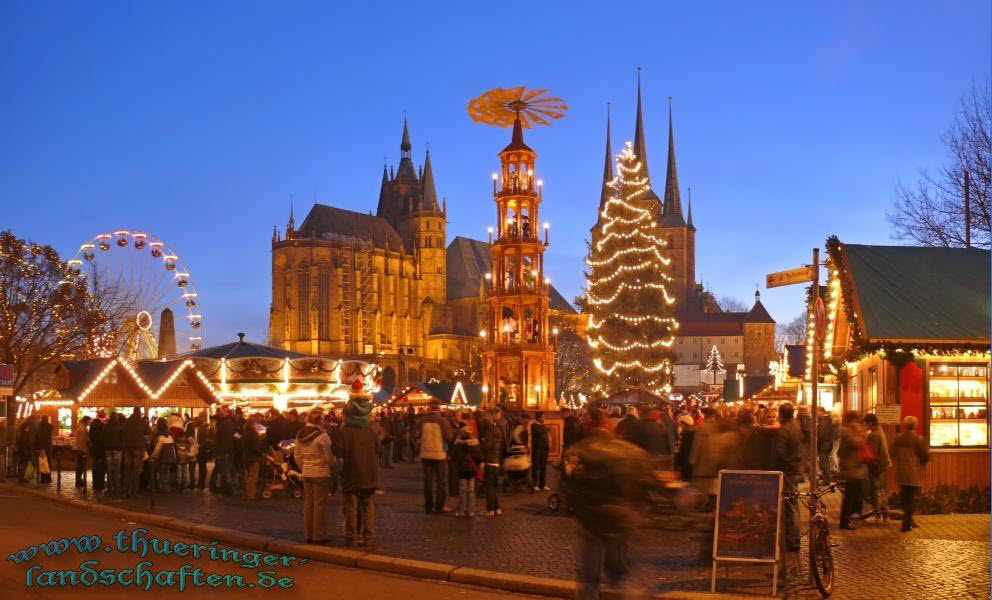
958,405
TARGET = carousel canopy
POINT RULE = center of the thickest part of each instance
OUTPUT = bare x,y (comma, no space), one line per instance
241,349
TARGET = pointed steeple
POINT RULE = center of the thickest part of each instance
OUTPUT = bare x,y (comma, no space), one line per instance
383,193
292,222
640,144
405,146
428,199
607,166
671,214
689,218
405,170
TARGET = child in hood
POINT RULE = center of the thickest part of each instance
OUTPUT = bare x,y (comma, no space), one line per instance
466,458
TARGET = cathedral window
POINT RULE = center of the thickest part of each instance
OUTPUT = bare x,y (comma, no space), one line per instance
323,303
303,308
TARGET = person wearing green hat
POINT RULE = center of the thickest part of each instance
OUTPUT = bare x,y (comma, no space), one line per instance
360,476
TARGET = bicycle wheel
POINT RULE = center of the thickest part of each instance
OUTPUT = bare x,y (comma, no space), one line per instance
821,560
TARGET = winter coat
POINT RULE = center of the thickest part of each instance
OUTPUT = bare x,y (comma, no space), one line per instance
97,448
25,443
224,438
627,428
492,445
910,453
253,444
135,429
704,455
81,438
313,452
571,430
43,439
113,435
165,449
787,453
539,437
466,456
434,433
652,437
757,444
360,453
686,442
851,440
825,434
880,447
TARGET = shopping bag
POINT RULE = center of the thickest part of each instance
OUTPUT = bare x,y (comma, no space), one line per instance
866,455
43,467
29,471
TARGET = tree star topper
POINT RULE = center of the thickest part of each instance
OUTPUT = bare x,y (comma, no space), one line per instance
501,106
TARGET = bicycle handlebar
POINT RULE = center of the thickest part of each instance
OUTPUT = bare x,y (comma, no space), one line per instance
814,494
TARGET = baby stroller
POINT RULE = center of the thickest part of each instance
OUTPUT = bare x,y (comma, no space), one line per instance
516,469
284,473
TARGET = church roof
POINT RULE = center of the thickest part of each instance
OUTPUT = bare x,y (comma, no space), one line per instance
468,262
758,314
329,222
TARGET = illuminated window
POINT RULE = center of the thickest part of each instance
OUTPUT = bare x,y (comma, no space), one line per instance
958,398
871,397
855,401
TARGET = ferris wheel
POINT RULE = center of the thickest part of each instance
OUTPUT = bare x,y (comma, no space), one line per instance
136,279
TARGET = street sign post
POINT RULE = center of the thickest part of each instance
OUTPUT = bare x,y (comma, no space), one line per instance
809,273
790,277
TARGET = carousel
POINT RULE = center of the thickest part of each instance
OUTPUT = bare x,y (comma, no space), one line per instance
260,377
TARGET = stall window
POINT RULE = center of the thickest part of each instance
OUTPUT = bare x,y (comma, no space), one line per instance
855,403
871,394
959,404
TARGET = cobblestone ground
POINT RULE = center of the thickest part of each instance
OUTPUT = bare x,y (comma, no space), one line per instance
947,557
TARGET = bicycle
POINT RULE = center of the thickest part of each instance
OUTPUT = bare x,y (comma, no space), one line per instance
821,562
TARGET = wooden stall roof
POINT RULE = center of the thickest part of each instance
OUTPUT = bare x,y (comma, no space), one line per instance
114,382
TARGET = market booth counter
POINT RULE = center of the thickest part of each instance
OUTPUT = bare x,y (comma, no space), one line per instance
908,334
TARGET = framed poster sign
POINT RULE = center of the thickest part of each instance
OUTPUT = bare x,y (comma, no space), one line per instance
748,518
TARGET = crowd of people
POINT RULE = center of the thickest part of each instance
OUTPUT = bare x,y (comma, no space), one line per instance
612,458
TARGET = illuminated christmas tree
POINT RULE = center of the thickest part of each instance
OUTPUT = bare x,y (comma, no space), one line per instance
714,363
631,314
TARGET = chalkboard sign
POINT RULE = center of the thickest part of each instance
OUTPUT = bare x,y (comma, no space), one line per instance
748,517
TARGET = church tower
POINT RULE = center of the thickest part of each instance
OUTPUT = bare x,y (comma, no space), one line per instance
518,356
681,235
408,201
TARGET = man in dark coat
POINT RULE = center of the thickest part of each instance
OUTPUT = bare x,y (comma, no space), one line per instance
112,438
43,444
539,447
571,428
652,437
220,479
135,448
360,473
98,453
787,456
628,428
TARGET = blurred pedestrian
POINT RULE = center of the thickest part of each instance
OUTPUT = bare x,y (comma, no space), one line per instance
314,457
43,449
492,456
878,469
163,455
627,428
360,475
911,455
98,453
853,467
135,450
254,450
687,434
81,449
787,458
571,429
606,482
824,443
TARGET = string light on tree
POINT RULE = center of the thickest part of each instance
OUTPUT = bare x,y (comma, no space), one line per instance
631,313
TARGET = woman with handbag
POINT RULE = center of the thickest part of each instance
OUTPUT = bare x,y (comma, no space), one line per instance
43,446
853,455
466,458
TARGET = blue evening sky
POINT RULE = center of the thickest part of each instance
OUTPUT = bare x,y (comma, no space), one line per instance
196,120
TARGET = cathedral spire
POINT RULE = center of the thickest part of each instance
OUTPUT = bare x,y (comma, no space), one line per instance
405,170
689,219
607,166
405,146
640,145
292,222
428,200
672,211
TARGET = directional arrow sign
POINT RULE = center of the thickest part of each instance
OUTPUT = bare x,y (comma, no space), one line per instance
790,277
